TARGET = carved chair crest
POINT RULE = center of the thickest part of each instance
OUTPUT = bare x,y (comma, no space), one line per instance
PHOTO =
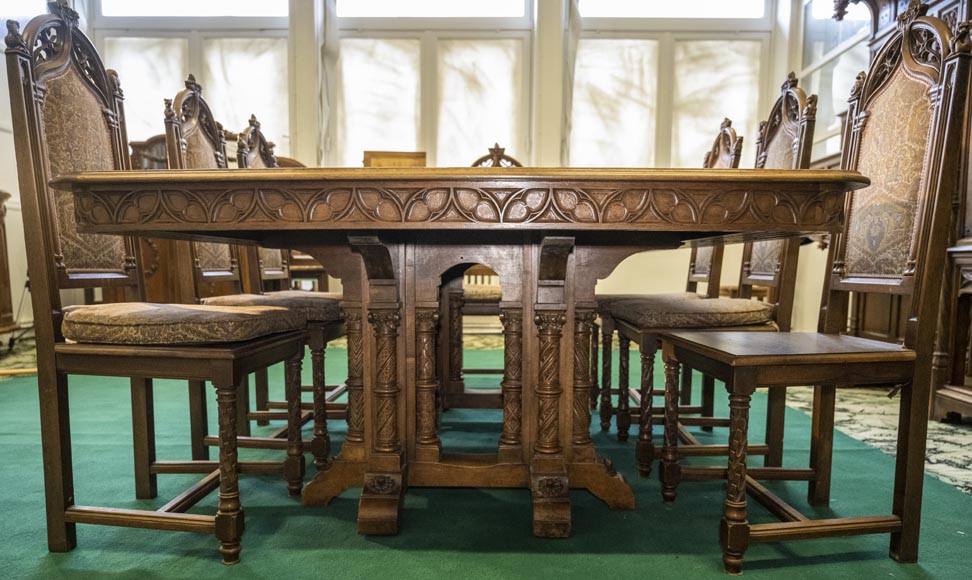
195,140
897,115
497,158
252,148
726,149
68,115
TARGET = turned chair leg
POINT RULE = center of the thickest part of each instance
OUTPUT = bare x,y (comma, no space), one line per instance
645,450
321,443
822,443
734,529
143,437
198,421
229,510
775,421
261,393
670,471
595,389
606,407
294,463
624,378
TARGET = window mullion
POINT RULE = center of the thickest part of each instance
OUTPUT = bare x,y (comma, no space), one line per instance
429,100
664,118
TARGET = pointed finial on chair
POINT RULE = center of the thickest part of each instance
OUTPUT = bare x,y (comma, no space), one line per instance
726,123
916,9
63,9
253,122
858,86
169,113
14,40
961,41
192,85
810,111
790,82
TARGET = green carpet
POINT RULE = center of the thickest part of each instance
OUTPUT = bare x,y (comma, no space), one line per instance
464,534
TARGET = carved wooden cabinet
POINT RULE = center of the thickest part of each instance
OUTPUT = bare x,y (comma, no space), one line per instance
953,391
7,322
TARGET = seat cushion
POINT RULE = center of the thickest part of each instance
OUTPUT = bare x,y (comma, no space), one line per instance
145,323
315,306
675,311
482,292
605,301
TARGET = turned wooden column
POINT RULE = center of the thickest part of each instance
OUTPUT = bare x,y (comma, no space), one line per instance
512,383
549,329
670,469
385,324
645,449
583,381
355,382
607,340
229,510
426,385
624,377
734,531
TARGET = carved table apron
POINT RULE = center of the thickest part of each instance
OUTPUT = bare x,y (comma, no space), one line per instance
394,236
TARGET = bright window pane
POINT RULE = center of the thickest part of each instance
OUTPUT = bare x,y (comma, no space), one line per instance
378,100
480,84
149,69
613,109
194,8
23,10
714,79
429,8
665,9
244,76
832,84
822,34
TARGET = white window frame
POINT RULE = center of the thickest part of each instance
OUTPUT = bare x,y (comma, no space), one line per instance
429,31
668,31
819,134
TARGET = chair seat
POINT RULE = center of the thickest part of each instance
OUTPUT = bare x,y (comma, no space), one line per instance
791,348
605,301
315,306
144,323
682,311
482,292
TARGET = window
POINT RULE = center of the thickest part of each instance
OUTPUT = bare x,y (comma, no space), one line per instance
833,53
243,70
195,8
429,9
620,116
681,9
451,87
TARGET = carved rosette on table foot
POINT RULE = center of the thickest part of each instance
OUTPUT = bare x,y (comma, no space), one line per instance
549,485
428,446
381,497
348,468
511,440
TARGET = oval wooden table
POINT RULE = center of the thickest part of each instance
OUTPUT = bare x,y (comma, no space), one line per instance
394,236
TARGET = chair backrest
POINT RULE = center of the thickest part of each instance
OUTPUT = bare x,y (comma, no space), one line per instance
149,154
497,157
67,117
252,148
784,142
195,140
705,263
906,131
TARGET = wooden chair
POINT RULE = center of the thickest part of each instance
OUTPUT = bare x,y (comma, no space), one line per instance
784,142
468,296
68,117
271,267
906,130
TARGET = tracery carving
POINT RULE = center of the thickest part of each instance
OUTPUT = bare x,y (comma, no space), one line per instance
382,484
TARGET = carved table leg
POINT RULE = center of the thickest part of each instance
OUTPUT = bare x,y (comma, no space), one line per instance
607,338
347,469
511,441
624,376
734,530
645,449
670,470
549,485
378,509
143,437
229,511
428,445
294,463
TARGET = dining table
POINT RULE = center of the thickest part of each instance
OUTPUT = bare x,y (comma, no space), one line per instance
395,236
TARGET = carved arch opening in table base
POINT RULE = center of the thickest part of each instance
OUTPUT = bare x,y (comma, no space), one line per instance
548,300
